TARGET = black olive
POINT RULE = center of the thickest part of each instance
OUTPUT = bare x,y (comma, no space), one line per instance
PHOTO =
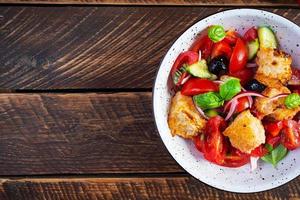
218,65
255,86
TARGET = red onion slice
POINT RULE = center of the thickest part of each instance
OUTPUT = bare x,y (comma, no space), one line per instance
200,55
294,82
201,112
251,65
253,162
232,109
185,79
235,99
218,82
278,96
250,100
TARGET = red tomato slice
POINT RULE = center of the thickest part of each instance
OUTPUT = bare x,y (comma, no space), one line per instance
273,128
239,57
231,37
196,86
214,145
273,141
243,104
221,48
290,137
245,75
236,158
199,143
187,57
250,35
259,151
204,44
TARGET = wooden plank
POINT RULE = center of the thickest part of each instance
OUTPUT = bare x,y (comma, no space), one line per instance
162,2
80,133
91,47
183,187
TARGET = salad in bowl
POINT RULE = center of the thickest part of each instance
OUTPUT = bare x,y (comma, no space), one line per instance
236,96
225,100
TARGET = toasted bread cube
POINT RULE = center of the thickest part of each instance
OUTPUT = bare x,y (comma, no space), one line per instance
284,113
274,66
275,109
246,132
184,119
264,105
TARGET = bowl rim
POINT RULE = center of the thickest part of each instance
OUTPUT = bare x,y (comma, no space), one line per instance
154,88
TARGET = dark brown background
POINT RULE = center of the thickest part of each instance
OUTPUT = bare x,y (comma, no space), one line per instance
75,104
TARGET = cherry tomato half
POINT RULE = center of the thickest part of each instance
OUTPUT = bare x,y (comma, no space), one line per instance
239,56
221,48
187,57
199,142
231,37
196,86
204,44
290,136
245,75
273,128
250,35
235,158
243,104
214,144
259,151
273,141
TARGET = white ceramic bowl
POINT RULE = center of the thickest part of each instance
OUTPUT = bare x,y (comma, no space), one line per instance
229,179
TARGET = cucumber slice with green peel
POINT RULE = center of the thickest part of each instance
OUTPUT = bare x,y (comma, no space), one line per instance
200,70
267,38
253,47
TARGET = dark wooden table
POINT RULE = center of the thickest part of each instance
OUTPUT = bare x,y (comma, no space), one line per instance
75,105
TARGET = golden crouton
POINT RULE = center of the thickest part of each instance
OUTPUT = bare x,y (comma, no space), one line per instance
246,132
284,113
276,108
274,66
264,105
184,119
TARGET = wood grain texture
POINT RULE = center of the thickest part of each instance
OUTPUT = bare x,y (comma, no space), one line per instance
181,187
92,47
80,133
162,2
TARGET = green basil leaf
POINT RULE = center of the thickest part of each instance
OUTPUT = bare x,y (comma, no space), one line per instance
208,100
278,154
230,88
267,158
269,147
216,33
275,155
292,101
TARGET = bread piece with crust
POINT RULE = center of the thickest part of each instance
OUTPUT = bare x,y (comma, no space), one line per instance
184,119
246,132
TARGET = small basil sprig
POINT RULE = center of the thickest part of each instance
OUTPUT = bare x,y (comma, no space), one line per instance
208,100
292,101
230,88
275,155
216,33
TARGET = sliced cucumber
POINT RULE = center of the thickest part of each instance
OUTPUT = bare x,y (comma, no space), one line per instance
200,69
267,38
253,47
